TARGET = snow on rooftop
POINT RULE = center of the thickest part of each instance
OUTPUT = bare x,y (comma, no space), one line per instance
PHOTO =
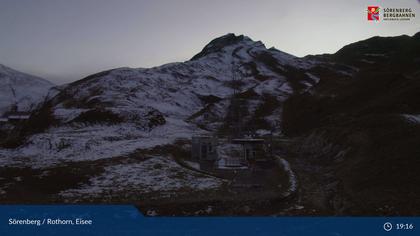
244,140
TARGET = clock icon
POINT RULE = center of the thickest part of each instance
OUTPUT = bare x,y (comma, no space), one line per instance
387,226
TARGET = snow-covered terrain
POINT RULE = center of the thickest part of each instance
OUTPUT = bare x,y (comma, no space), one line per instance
72,143
156,106
157,174
26,91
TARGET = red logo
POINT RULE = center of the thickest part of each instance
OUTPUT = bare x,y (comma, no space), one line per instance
373,13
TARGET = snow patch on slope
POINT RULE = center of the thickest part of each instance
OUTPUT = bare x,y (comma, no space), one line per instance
412,118
157,174
72,144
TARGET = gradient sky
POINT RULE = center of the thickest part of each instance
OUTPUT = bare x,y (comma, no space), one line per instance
65,40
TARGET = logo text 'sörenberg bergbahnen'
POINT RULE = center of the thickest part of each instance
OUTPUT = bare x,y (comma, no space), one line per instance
390,14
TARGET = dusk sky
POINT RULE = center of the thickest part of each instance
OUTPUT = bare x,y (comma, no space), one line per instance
65,40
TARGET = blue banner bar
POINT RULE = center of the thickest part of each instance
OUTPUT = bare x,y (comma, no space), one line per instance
127,220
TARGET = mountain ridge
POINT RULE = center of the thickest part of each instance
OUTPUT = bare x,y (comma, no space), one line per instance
24,90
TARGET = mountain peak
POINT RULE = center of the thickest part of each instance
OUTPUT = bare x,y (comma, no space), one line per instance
219,43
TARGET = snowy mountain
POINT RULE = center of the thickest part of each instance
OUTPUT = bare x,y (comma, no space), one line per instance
142,108
26,91
118,133
350,120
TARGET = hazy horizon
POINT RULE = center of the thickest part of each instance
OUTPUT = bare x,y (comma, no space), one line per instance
64,41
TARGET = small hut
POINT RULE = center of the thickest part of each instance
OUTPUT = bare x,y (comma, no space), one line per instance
204,150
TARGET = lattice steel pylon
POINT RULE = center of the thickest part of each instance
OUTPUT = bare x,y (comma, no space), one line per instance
236,102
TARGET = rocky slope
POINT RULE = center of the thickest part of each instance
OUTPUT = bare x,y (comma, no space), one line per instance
358,137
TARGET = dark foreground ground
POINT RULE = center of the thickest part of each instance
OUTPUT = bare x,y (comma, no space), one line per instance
264,191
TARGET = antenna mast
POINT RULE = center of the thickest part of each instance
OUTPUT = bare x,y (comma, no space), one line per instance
236,118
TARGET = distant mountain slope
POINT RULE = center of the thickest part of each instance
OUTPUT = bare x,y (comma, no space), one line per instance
26,91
